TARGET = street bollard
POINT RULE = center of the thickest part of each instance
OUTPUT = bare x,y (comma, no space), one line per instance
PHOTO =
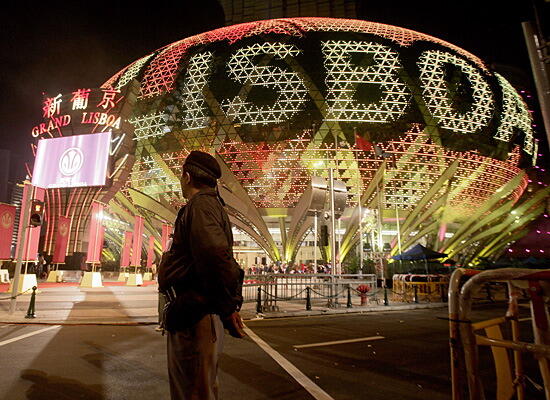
259,300
308,299
415,294
349,297
30,311
386,302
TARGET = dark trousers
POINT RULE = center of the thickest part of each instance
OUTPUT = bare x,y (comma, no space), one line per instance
193,360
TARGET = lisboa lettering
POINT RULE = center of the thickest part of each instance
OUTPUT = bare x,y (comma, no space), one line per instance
342,76
101,119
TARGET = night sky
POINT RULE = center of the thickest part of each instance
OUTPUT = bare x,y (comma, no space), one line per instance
50,47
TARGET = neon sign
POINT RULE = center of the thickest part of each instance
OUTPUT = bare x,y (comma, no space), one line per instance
52,124
80,99
368,83
60,111
342,79
103,119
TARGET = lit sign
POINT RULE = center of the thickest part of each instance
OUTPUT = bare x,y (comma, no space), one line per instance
84,106
72,161
366,83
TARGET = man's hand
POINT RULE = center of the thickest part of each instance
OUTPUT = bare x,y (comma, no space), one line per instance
234,325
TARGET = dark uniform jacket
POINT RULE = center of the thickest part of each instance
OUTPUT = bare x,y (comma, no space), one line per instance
199,265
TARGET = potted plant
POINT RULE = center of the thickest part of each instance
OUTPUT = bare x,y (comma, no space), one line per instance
363,290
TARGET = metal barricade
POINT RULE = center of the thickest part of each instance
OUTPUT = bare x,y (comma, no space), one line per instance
397,284
289,287
466,335
420,287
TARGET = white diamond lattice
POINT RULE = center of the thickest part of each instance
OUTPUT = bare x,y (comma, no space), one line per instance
515,114
132,72
434,91
289,85
194,106
343,78
149,125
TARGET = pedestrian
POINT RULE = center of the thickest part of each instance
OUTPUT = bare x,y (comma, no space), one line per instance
154,270
40,266
202,282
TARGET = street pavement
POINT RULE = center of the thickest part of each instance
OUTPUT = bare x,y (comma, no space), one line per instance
101,343
388,355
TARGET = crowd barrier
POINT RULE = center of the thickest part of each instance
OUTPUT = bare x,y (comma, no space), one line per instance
411,287
269,289
503,334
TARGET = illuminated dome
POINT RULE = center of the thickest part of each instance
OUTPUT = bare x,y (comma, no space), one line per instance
416,127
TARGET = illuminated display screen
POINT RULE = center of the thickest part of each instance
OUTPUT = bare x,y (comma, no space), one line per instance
72,161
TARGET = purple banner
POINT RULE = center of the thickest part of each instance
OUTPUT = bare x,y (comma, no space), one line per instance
72,161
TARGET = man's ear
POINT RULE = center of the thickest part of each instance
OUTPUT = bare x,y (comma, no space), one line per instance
186,178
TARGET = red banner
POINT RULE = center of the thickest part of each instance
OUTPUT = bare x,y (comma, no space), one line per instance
101,241
125,253
166,231
95,241
151,252
61,240
135,260
30,247
7,222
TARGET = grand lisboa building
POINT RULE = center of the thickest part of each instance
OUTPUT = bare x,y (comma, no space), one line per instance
431,144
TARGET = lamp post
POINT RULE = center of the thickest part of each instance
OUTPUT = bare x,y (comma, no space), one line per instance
316,203
315,230
332,220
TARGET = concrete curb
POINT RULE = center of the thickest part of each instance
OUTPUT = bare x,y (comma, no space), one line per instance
248,316
354,310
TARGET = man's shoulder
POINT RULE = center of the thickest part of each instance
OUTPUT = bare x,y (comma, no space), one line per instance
203,201
180,213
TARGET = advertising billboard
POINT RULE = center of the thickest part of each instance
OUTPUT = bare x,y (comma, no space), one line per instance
72,161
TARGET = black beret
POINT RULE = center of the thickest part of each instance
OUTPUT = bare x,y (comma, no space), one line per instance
204,162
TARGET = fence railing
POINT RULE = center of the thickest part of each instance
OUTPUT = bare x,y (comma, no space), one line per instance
509,343
266,290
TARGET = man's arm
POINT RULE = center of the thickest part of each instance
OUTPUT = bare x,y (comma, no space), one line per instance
171,267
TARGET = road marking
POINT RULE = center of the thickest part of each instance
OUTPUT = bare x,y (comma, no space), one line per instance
365,339
294,372
15,339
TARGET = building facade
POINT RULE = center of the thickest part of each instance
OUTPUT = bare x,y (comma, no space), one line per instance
430,144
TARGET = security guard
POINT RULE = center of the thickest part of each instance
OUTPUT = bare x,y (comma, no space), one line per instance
202,282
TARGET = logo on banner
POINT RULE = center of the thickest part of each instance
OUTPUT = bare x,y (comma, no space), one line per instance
7,220
71,161
63,229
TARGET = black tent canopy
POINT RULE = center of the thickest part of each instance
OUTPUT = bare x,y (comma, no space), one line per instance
419,252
